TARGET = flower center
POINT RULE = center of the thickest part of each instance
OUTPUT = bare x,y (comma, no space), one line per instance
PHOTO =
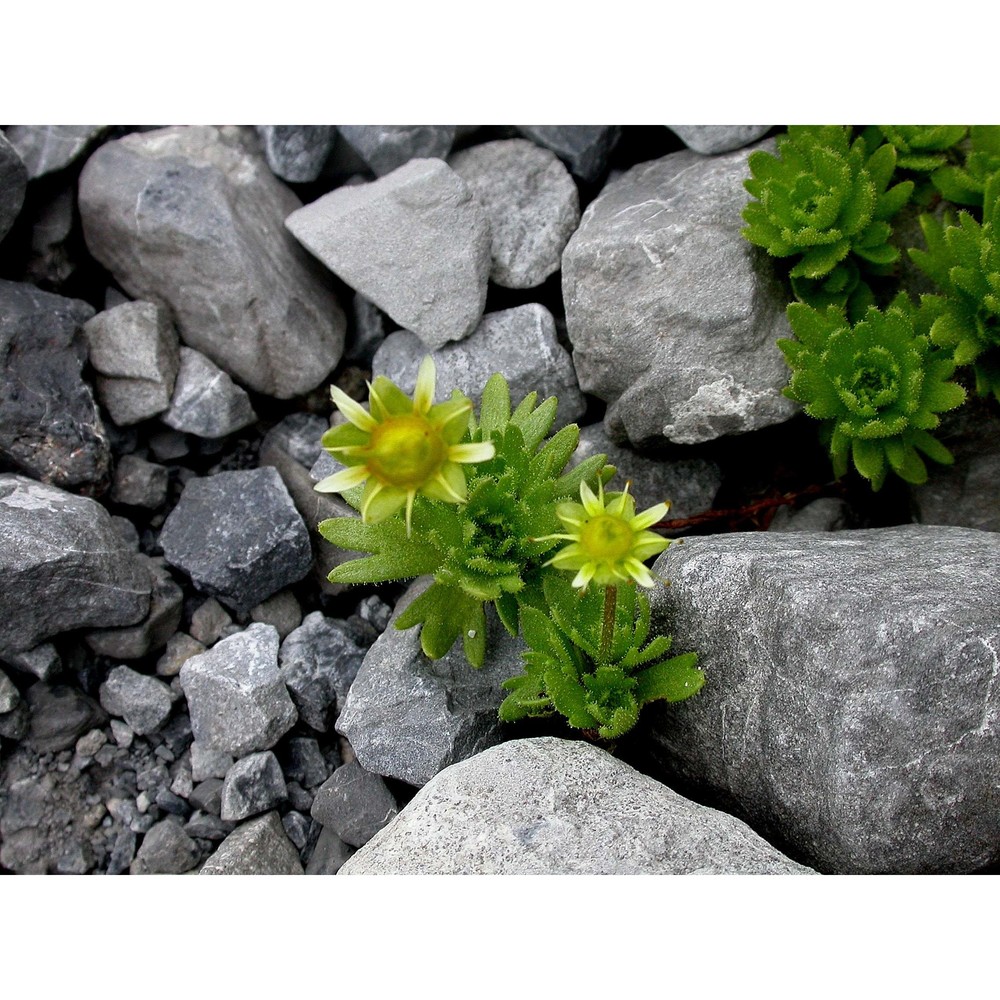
606,538
875,381
405,451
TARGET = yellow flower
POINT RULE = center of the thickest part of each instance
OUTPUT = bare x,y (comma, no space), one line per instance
608,539
400,447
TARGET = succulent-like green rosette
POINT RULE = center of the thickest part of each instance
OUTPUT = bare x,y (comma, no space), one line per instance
965,183
878,384
922,148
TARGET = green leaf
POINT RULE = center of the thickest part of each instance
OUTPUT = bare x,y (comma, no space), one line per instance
670,680
494,408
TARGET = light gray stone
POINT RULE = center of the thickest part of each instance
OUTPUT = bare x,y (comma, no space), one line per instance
237,700
711,139
66,548
407,716
144,702
851,703
9,696
208,763
825,514
134,350
584,148
13,184
354,803
673,316
520,343
415,242
532,204
386,147
48,148
206,401
43,661
259,846
550,806
254,784
297,152
191,217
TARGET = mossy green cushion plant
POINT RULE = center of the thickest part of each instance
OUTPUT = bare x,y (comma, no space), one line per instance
827,201
964,183
922,148
878,384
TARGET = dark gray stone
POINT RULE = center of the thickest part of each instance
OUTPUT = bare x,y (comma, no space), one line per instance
9,696
532,204
13,184
142,701
354,803
64,547
60,715
259,846
298,435
43,661
14,724
54,254
206,402
138,483
547,806
207,796
165,850
673,316
48,148
329,854
237,700
253,785
386,147
189,216
283,611
209,620
304,762
851,704
134,350
583,148
297,153
367,332
825,514
49,424
318,665
122,853
408,717
416,243
238,536
208,763
520,343
712,139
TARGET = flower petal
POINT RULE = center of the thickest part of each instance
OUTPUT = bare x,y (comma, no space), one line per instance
639,573
343,480
381,502
591,504
648,544
649,517
473,452
451,417
585,575
447,485
353,410
571,514
423,393
387,399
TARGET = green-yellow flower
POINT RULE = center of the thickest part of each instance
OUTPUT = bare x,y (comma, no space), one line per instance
608,540
400,447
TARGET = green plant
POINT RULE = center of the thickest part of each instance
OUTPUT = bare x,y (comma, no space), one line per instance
965,183
922,148
878,385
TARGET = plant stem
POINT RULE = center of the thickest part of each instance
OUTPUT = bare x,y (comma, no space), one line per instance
608,631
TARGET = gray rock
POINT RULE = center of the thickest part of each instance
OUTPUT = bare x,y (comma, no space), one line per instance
367,332
551,806
60,715
520,343
9,696
190,217
54,254
375,611
386,147
297,153
673,316
166,605
168,445
354,803
209,620
283,611
305,764
134,350
207,796
64,547
532,204
254,784
43,661
329,854
208,763
690,484
138,483
584,148
237,700
711,139
165,850
142,701
825,514
14,724
49,424
48,148
298,435
238,536
319,662
13,184
297,827
408,717
415,242
259,846
206,402
122,853
850,711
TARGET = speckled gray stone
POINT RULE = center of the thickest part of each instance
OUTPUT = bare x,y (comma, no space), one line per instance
259,846
851,706
415,242
48,148
165,850
386,147
354,803
584,148
206,402
712,139
297,152
254,784
673,316
547,806
144,702
520,343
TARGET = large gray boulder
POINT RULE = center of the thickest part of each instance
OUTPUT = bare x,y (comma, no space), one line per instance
673,316
191,217
547,806
63,565
851,704
415,242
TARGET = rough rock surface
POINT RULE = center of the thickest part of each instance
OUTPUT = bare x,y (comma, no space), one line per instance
297,152
851,704
259,846
190,217
415,242
65,547
551,806
166,850
532,204
711,139
584,148
238,536
13,183
60,714
354,803
206,402
520,343
673,316
254,784
408,717
144,702
386,147
48,148
49,424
